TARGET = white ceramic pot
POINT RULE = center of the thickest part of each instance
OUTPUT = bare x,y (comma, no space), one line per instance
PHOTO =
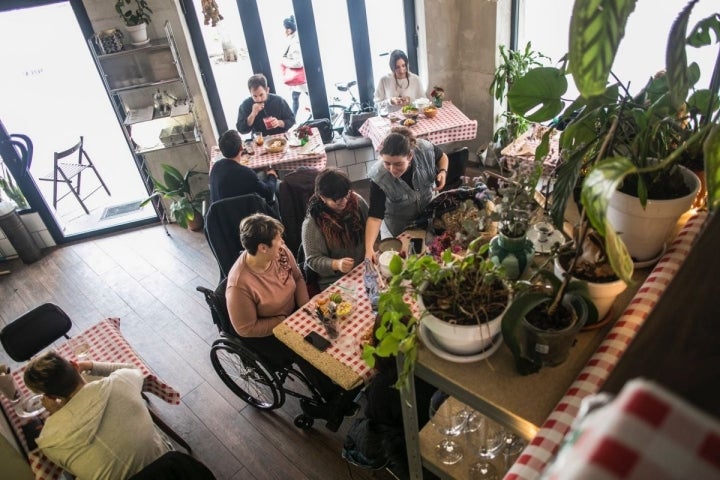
603,294
645,231
460,339
138,34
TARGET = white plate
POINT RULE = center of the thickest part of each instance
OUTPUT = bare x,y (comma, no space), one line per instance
29,406
429,341
545,247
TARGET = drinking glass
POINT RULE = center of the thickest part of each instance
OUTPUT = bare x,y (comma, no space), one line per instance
513,445
448,417
485,439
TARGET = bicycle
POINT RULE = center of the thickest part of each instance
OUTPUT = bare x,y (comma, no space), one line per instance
339,113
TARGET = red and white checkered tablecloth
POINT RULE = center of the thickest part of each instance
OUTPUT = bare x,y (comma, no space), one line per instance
106,344
290,159
544,446
342,361
449,125
645,432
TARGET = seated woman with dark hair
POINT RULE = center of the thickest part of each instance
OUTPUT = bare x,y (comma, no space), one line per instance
96,430
264,287
333,232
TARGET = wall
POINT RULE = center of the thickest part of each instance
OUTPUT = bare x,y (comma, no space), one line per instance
459,51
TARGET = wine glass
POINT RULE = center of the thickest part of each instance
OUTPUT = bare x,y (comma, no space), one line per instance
513,445
448,417
485,439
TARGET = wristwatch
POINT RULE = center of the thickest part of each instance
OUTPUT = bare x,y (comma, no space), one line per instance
442,170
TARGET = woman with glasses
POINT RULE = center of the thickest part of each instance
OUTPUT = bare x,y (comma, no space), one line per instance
400,86
333,231
402,183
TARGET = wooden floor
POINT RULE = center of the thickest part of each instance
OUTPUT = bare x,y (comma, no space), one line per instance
148,280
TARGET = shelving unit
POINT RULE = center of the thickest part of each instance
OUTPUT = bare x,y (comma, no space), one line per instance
495,389
133,78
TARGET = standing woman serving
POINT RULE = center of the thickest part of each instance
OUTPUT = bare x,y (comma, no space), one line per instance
333,232
402,183
400,86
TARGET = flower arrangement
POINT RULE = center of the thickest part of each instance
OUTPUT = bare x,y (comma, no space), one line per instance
438,94
303,133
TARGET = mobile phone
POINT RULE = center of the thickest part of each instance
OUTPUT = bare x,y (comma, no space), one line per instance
416,245
317,341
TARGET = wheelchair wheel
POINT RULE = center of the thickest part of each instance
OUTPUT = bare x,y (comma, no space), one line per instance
247,376
304,422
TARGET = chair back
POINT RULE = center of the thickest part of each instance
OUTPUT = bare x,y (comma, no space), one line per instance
35,330
222,224
218,307
295,191
174,466
457,163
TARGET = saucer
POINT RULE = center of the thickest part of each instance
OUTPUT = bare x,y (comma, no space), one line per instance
140,44
652,261
429,341
29,406
545,247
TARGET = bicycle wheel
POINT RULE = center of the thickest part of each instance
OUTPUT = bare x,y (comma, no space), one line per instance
337,117
246,376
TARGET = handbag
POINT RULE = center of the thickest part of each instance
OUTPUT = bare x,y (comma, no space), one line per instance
293,76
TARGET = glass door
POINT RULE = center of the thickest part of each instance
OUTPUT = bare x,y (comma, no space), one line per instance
53,94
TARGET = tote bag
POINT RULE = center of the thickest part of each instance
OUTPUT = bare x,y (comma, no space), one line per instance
293,76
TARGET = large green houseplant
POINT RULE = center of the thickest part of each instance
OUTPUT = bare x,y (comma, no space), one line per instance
465,290
611,137
185,206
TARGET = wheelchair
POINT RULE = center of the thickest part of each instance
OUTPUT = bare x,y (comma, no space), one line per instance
253,378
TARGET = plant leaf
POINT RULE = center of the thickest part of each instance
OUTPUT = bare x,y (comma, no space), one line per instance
537,94
599,184
513,317
596,28
711,151
676,57
618,255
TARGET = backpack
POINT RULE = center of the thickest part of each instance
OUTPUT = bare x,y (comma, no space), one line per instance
324,127
354,121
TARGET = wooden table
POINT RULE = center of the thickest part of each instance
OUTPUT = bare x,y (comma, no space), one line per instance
311,155
107,344
449,125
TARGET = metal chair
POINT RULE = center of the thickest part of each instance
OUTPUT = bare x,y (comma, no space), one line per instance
457,163
33,331
70,173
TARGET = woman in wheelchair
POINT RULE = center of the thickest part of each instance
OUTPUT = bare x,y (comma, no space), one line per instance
333,232
264,286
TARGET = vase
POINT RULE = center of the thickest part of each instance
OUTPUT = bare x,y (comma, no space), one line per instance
513,253
437,101
552,347
110,41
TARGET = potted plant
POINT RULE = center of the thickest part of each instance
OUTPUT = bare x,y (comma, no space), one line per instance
136,15
540,324
612,138
513,66
461,300
185,207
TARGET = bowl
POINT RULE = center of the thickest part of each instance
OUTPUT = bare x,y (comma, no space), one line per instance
29,406
276,145
411,113
421,103
430,112
390,244
384,262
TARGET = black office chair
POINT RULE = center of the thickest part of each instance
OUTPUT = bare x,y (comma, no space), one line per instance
295,191
457,163
222,226
70,173
175,466
33,331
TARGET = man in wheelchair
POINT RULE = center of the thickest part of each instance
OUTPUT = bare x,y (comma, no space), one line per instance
264,286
